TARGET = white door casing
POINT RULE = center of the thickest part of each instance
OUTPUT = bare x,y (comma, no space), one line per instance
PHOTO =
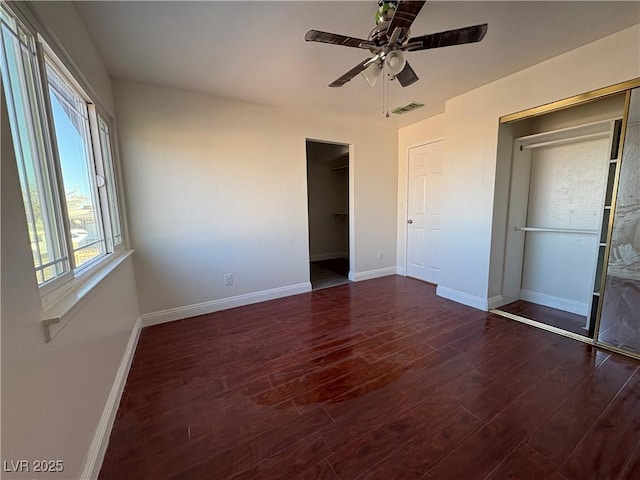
424,212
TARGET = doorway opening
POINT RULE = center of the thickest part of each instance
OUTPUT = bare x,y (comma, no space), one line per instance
328,209
562,168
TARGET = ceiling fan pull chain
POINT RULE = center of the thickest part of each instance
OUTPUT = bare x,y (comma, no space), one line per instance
383,89
386,96
384,93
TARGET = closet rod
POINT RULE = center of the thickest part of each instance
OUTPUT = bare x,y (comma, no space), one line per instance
565,140
557,230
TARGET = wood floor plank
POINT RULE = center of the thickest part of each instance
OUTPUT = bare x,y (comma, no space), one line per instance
487,403
412,459
605,449
480,453
253,451
483,451
573,417
319,471
368,449
375,379
631,470
287,463
362,413
522,463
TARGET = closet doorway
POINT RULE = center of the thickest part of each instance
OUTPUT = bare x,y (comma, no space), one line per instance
562,173
328,213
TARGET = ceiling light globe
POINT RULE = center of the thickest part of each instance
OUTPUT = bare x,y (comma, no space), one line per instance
394,63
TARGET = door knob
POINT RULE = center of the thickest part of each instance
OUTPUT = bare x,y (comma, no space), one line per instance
409,221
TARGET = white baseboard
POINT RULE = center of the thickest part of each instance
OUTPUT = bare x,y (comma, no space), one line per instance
563,304
401,271
178,313
327,256
100,441
495,302
462,297
369,274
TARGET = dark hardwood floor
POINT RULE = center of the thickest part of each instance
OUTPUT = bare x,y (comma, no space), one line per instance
547,315
378,379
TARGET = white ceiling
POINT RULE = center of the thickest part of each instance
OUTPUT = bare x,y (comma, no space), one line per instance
255,51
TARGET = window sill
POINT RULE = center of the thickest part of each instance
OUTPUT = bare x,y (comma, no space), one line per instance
58,314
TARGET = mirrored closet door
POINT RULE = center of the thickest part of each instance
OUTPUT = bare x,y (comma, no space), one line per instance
619,321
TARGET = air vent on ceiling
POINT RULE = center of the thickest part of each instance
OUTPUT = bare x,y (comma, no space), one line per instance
407,108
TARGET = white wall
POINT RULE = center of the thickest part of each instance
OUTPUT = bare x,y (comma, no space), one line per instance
53,395
471,144
425,131
218,186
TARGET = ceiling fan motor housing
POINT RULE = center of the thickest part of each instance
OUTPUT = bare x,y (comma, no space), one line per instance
385,11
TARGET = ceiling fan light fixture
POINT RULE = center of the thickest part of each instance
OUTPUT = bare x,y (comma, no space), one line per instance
371,73
389,40
394,63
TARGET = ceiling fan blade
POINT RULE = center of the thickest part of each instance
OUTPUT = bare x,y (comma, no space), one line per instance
352,73
448,38
404,15
407,76
335,39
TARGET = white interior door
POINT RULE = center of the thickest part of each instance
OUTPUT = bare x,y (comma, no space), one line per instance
424,212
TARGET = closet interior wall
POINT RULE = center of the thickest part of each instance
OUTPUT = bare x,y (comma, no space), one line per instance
559,182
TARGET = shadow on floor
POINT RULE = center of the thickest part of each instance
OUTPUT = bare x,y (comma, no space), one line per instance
329,273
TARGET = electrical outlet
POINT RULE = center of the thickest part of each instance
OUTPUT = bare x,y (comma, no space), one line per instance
228,279
380,255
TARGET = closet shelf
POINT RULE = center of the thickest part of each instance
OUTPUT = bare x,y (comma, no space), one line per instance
557,230
599,129
341,156
562,141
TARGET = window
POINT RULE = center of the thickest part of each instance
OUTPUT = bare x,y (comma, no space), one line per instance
20,81
79,177
64,156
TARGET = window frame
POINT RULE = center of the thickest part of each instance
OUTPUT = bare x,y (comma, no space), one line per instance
111,177
93,161
105,214
46,180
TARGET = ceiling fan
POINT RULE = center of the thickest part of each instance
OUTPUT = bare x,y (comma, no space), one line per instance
390,38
